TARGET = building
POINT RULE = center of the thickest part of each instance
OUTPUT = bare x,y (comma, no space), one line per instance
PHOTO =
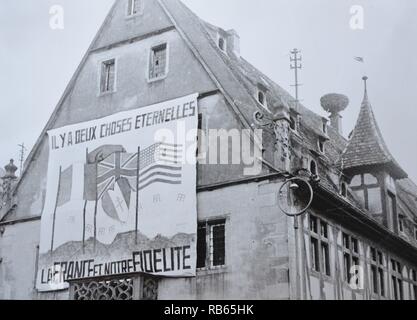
358,239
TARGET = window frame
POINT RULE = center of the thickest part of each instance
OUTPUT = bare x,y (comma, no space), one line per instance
319,263
294,124
220,38
402,222
344,189
315,166
321,146
396,279
101,64
129,14
150,61
258,95
324,128
208,225
413,283
351,254
363,187
379,265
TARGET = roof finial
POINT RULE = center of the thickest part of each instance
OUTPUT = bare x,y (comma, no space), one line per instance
365,79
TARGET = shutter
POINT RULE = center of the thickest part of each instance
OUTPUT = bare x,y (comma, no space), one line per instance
111,71
103,78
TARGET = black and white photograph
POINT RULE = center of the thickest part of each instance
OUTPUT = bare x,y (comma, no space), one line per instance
195,150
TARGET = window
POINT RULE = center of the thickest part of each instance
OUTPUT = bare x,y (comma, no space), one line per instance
377,272
401,223
367,189
261,98
211,245
356,181
222,44
324,127
313,167
158,63
392,209
319,246
397,280
415,233
321,146
413,278
108,76
350,255
134,7
293,124
374,200
343,189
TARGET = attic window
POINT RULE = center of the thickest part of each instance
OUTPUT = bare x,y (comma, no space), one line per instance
108,76
293,124
321,146
134,7
261,97
324,128
222,44
158,62
343,189
401,223
313,168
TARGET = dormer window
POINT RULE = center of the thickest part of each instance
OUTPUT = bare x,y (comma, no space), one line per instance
313,167
401,223
134,7
324,126
262,98
222,44
293,124
321,147
343,189
368,191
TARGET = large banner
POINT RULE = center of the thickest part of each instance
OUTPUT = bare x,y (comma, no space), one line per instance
121,196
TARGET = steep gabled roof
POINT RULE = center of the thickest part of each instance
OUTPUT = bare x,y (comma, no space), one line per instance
238,80
367,147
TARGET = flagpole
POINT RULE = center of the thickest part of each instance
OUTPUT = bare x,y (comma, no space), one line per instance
85,203
95,208
137,196
56,206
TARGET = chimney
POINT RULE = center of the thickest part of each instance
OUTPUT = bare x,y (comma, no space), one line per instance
334,104
234,41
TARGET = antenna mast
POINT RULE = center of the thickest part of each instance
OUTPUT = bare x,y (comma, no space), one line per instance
296,65
21,156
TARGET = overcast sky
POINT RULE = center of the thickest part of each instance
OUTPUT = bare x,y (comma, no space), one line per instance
37,62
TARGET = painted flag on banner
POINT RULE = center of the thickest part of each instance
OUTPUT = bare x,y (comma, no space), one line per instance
91,168
116,174
65,187
161,163
109,167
